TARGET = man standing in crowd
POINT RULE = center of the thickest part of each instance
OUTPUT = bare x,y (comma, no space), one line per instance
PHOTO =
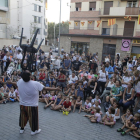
109,69
93,66
29,96
67,64
76,64
57,63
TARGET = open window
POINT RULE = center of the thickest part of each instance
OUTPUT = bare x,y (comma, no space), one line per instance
132,4
78,7
92,6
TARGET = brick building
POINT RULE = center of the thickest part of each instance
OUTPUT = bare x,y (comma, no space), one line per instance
84,35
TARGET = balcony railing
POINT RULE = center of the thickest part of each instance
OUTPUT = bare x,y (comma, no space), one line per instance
119,11
112,31
132,11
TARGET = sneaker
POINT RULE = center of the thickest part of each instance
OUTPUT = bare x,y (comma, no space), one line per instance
33,133
123,133
21,131
4,102
38,131
120,130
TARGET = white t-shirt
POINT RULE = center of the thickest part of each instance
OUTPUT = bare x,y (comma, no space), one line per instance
96,106
90,76
110,85
12,94
72,79
107,60
102,76
126,79
93,100
19,56
112,115
137,87
88,105
57,63
29,92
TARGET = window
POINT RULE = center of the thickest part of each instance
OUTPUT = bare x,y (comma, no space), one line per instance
92,6
35,28
39,9
132,4
105,28
90,24
35,19
76,24
39,19
4,3
78,6
35,7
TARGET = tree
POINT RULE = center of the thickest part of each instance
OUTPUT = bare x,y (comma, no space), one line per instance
33,28
11,31
63,26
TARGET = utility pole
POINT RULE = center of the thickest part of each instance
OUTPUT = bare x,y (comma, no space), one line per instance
59,30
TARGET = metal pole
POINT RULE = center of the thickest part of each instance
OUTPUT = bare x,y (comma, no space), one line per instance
54,33
59,30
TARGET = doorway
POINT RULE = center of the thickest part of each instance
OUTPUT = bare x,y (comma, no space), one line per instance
108,49
107,5
129,28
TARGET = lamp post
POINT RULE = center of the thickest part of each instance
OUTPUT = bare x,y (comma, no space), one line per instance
59,30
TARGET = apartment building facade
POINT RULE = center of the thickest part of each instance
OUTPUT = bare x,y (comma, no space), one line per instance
85,34
29,15
4,17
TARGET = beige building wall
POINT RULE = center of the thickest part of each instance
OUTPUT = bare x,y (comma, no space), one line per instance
119,11
96,45
65,42
85,6
72,7
85,25
71,26
123,4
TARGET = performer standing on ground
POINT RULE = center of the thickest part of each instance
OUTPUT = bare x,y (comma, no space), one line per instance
29,96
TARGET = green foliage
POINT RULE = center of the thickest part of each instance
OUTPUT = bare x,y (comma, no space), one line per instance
64,29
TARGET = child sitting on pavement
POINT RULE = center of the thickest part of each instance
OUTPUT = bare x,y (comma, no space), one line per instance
78,104
132,125
66,106
2,100
96,99
96,117
127,116
109,118
12,95
87,106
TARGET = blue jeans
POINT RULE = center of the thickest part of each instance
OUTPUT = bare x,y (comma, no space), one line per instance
127,104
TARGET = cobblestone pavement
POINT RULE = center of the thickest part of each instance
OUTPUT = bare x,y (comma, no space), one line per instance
55,126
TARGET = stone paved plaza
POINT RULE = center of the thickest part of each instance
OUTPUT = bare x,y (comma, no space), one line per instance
55,126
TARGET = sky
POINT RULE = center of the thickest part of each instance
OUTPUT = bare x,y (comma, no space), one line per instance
53,11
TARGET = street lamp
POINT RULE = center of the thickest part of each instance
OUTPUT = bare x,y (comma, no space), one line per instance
59,30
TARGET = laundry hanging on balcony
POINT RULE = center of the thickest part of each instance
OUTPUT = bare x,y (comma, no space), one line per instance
139,20
111,21
82,23
76,23
98,23
69,23
90,22
128,17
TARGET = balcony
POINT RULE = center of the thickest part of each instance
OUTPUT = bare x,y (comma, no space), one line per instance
119,12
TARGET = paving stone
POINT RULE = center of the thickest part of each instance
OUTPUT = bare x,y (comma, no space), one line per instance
55,126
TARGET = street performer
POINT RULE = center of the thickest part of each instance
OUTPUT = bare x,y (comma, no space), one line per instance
29,96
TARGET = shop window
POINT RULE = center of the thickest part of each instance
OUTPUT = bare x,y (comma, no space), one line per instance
136,41
92,6
78,7
76,24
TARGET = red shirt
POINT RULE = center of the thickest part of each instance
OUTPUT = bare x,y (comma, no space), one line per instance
61,76
42,76
67,105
